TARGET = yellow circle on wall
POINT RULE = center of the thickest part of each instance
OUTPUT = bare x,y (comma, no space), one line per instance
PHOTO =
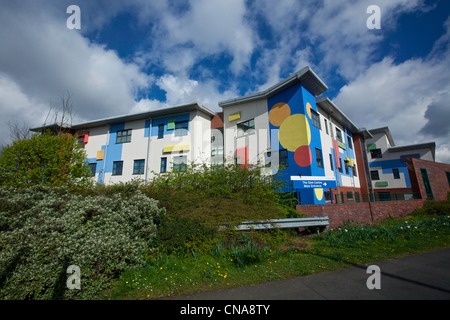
319,193
308,109
294,132
279,113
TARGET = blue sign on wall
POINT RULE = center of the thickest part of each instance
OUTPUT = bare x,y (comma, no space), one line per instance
313,182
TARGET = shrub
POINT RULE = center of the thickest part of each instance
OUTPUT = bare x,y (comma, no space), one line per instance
44,230
44,160
432,207
179,235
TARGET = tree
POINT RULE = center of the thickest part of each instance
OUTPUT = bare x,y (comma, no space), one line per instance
44,159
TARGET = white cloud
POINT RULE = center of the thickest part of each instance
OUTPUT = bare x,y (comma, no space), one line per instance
181,90
406,97
41,60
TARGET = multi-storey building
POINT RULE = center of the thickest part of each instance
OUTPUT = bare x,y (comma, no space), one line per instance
388,169
302,137
139,145
299,135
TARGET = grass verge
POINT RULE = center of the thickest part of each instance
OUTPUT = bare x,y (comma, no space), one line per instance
255,257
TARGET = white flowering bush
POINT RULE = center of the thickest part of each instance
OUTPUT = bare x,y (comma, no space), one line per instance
44,230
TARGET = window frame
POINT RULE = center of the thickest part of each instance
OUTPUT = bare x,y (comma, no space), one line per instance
181,128
163,169
319,158
396,173
121,136
140,166
339,135
93,168
372,175
376,154
181,166
315,119
160,130
115,171
249,130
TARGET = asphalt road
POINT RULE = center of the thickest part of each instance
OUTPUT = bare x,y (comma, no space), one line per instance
424,276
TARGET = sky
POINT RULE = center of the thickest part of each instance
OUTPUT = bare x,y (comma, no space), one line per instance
138,55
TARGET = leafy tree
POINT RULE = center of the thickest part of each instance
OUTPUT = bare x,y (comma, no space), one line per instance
44,159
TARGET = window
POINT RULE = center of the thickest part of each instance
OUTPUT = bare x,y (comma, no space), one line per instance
341,166
163,168
331,163
319,159
181,128
81,141
326,125
246,128
448,177
396,173
349,142
117,168
179,163
376,153
93,167
123,136
139,167
283,158
374,175
315,119
339,135
161,131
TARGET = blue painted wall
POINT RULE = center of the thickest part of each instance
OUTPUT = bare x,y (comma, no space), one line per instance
297,97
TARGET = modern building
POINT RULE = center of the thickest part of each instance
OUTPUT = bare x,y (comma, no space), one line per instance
292,129
388,169
303,138
122,148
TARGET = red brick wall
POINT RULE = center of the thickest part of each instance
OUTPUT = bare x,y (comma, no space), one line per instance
217,121
361,213
357,138
436,174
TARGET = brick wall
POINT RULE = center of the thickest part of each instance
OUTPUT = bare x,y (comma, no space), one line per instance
436,174
361,213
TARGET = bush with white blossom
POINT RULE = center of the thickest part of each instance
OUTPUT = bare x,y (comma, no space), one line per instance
44,230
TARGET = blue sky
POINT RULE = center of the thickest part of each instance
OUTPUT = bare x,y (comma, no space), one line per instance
137,55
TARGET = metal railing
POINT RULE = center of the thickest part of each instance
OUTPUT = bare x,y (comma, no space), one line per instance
348,197
282,223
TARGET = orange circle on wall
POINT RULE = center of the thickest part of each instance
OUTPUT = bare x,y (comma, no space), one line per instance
308,109
278,113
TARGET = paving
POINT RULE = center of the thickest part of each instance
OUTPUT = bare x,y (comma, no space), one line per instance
424,276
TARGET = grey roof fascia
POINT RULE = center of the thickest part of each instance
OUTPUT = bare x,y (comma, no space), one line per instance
306,76
386,131
328,105
143,115
411,147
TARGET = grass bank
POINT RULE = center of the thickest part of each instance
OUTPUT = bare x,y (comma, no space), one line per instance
255,257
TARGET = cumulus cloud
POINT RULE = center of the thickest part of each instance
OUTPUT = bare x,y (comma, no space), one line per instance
411,98
41,60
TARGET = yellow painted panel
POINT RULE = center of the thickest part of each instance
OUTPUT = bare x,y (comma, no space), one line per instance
100,154
177,147
235,116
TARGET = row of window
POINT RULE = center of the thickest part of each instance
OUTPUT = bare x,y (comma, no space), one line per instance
248,127
181,129
374,175
179,164
283,161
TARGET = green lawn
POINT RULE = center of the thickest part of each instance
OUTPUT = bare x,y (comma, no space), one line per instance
266,256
